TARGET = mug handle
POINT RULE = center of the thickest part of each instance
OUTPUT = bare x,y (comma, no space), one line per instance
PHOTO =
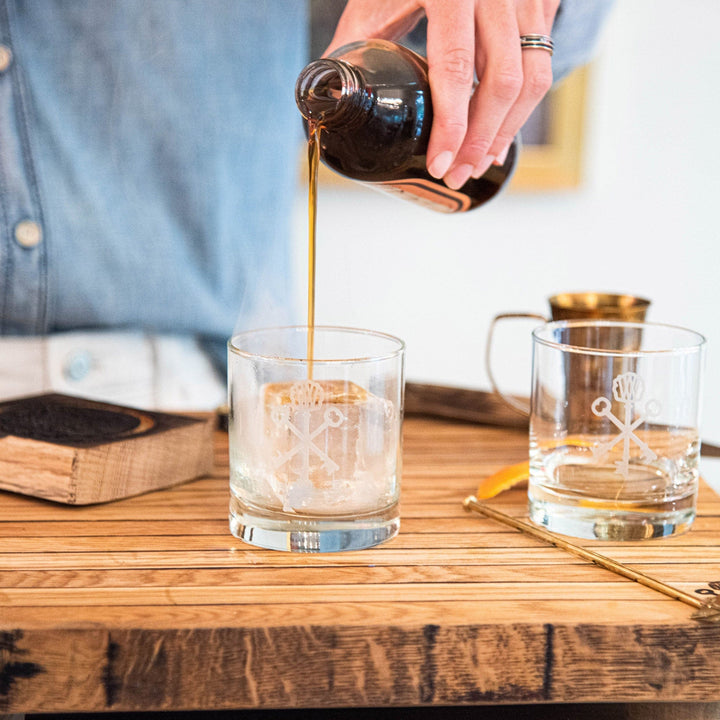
515,404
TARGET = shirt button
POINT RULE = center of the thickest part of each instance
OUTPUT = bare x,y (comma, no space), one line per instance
77,365
28,233
5,58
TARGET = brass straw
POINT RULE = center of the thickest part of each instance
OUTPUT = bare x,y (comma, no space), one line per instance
708,611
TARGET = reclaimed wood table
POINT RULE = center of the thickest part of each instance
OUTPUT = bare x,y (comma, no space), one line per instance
149,603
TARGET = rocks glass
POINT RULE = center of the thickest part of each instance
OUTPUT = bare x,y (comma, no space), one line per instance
614,441
315,437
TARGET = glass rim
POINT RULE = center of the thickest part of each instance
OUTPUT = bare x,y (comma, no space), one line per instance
693,346
339,329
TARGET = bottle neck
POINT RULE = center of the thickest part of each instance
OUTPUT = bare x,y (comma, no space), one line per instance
330,92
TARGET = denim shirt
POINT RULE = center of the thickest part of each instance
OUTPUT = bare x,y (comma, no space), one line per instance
148,158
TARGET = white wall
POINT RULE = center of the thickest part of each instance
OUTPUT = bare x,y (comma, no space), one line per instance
644,220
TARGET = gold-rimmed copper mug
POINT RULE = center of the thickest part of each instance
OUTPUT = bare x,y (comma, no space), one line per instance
569,306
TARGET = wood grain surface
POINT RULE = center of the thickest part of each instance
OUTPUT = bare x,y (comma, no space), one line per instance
149,603
79,452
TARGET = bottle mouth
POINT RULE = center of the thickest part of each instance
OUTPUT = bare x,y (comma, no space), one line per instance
326,87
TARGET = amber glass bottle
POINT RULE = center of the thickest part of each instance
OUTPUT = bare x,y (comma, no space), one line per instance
371,101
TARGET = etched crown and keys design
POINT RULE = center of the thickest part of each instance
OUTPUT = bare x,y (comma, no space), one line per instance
306,398
628,389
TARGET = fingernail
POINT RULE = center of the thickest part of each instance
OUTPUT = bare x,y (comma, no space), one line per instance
458,176
501,157
481,168
440,164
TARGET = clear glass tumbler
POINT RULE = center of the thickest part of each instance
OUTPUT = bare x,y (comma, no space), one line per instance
315,437
614,439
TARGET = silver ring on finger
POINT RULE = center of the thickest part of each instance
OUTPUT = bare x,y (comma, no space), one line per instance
536,41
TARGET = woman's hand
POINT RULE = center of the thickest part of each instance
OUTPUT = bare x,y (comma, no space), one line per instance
473,124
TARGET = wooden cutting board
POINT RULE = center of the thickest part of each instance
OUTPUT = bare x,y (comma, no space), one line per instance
77,451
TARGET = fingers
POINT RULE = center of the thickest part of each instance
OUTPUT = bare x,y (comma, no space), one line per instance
537,80
499,65
537,75
451,62
511,82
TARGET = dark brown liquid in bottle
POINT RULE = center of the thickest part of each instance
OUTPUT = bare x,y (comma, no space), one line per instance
393,155
374,103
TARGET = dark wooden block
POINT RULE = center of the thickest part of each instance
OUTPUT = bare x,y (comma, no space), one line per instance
77,451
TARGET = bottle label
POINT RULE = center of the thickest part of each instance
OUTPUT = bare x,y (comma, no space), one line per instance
427,193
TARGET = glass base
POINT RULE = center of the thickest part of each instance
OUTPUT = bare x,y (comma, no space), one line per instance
597,524
300,533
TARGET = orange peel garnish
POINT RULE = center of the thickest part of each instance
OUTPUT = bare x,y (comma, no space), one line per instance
503,479
511,475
